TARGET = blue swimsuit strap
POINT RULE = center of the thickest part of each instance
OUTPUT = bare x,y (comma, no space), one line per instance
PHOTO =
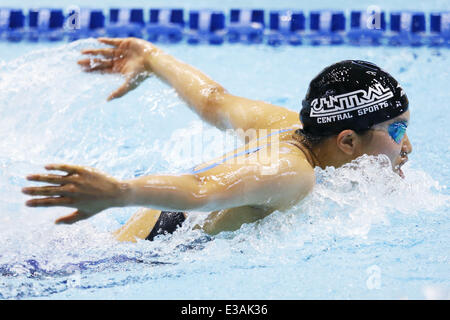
236,154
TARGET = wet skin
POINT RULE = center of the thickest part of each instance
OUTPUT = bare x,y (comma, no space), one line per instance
235,193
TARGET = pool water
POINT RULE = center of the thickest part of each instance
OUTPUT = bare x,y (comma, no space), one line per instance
362,234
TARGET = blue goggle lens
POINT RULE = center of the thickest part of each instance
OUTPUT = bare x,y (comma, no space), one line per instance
397,131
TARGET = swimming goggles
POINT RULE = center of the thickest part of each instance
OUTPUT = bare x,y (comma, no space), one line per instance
397,130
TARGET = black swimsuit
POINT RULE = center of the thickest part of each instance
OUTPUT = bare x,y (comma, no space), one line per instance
167,222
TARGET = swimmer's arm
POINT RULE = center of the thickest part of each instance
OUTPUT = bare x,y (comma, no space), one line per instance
136,59
213,103
222,187
226,186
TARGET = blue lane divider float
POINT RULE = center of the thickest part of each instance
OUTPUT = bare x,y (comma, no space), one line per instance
288,26
440,28
326,27
206,26
407,28
12,23
366,27
165,25
85,23
246,26
125,22
45,24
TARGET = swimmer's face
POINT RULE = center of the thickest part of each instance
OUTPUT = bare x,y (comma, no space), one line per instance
381,142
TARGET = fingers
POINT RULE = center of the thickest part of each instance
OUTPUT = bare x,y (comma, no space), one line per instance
122,90
50,202
96,64
49,190
61,191
50,178
72,218
111,41
73,174
131,83
106,52
64,167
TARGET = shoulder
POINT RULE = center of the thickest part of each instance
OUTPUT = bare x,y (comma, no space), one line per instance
293,160
289,174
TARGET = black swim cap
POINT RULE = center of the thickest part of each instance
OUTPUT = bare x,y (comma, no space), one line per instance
351,94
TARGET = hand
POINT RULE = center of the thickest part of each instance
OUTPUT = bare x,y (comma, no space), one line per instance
86,189
128,57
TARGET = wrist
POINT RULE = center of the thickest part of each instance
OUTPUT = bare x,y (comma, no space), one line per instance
125,194
150,53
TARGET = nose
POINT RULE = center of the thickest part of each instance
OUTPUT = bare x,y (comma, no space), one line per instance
406,145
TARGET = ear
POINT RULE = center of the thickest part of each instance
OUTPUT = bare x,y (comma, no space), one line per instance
348,141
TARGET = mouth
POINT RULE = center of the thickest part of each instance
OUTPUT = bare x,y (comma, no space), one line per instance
398,169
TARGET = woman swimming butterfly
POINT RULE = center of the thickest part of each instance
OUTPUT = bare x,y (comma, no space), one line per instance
351,108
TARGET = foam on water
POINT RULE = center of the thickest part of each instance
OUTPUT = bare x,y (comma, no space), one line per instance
359,217
40,259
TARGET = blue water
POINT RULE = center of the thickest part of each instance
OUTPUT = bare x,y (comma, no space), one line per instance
362,234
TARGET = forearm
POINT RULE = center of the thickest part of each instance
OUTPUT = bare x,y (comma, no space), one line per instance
196,88
164,192
185,192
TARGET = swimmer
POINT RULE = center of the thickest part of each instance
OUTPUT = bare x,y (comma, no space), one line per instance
351,108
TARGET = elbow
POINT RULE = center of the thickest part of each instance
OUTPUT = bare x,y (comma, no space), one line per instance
213,96
213,102
195,195
202,194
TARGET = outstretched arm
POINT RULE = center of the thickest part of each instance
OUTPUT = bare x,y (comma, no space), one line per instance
228,185
137,59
